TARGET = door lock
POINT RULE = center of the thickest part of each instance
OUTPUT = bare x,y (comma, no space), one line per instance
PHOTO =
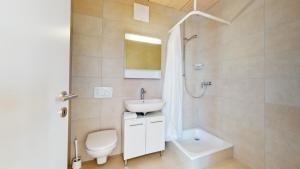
63,112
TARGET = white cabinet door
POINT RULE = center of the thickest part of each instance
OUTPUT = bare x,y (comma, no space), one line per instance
134,138
155,137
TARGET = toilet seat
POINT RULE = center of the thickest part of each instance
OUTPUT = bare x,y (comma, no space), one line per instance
101,140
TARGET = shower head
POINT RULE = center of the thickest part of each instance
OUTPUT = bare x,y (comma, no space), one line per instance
190,38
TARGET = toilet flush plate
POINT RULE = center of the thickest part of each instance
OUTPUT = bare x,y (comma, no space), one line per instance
103,92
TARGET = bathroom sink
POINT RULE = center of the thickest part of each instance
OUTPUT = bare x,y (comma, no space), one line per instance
144,106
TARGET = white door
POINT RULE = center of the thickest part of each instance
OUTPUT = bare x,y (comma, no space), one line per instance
34,69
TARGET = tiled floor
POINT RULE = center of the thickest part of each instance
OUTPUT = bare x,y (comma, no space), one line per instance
170,160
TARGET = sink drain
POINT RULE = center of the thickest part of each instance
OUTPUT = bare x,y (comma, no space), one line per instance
197,139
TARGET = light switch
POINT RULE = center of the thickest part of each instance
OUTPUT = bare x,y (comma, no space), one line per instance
103,92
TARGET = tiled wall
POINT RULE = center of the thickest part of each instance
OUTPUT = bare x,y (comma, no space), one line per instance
98,28
282,84
254,63
255,68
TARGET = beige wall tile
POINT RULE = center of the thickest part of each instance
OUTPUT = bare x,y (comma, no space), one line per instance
190,117
189,120
152,87
81,88
282,50
113,29
126,2
112,108
114,10
207,40
111,118
242,111
111,123
249,116
252,67
113,47
287,67
88,7
282,84
279,12
250,46
83,108
208,56
230,8
85,66
283,91
283,40
249,23
253,156
129,90
86,25
142,28
118,149
282,136
82,127
84,86
117,84
242,123
86,45
112,68
209,118
251,90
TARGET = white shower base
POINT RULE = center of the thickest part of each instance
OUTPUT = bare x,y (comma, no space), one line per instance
203,149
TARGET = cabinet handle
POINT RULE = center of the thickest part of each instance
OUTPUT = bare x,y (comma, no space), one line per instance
157,121
139,124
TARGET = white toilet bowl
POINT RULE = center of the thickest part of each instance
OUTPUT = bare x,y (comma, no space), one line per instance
101,144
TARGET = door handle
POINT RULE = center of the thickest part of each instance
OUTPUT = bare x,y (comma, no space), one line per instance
139,124
157,121
64,96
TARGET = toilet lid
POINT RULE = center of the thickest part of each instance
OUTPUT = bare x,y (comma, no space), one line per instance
101,139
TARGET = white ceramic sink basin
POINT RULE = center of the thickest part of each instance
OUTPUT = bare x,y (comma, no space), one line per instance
144,106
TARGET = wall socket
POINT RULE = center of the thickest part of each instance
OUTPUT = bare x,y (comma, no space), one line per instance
103,92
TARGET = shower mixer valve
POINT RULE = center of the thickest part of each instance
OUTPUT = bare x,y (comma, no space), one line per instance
205,84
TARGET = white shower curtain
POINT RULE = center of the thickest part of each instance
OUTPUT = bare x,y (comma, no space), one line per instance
173,86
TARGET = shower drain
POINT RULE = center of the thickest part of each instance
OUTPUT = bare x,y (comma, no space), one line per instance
197,139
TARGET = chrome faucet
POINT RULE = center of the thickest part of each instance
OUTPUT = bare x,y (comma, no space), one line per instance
143,91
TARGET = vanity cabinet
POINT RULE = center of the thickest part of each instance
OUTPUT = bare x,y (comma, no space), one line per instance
143,135
155,137
134,138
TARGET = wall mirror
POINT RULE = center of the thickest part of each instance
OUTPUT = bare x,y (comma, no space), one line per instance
142,57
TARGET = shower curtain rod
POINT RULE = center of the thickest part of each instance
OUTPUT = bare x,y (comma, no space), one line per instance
200,13
206,15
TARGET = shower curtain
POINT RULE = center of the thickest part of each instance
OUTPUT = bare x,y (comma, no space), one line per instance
173,86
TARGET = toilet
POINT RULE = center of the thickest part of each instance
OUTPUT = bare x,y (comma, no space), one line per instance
100,144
